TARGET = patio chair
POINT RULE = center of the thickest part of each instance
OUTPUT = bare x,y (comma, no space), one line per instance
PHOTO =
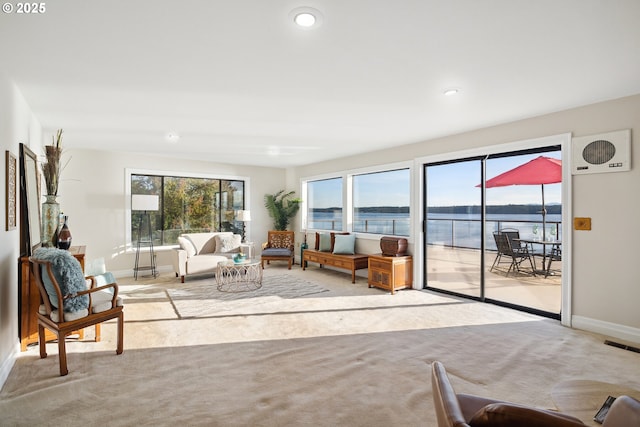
514,251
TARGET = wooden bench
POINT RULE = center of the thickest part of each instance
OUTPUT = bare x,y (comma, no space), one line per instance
345,262
327,257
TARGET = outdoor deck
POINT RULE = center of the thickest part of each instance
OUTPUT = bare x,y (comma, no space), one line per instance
458,270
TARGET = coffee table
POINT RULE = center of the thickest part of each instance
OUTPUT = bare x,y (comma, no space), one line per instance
239,276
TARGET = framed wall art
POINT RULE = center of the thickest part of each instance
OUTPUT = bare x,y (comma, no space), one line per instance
12,175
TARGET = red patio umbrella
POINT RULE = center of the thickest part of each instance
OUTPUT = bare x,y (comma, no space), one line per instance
539,171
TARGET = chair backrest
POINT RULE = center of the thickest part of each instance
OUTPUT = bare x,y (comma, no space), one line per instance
502,243
448,411
512,234
58,274
281,239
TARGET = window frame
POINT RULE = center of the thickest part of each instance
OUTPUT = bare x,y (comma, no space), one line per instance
347,197
130,245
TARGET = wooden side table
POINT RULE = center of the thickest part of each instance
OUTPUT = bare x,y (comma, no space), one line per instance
29,301
390,272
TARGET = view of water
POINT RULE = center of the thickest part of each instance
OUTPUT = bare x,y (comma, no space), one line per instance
462,230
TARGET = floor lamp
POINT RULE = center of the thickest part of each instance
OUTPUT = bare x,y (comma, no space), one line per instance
146,203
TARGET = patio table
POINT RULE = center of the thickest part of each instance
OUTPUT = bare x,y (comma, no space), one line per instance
546,266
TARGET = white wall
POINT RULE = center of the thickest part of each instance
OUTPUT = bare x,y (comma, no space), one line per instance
606,288
17,124
92,194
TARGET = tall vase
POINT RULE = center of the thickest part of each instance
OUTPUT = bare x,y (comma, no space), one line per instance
64,235
50,220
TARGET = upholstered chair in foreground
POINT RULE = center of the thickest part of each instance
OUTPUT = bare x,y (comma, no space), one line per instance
71,302
465,410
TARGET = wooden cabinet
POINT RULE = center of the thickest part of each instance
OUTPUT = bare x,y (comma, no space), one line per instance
390,272
30,301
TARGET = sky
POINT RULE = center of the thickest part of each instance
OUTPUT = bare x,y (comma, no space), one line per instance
455,184
447,185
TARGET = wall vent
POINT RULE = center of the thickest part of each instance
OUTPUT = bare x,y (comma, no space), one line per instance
606,152
622,346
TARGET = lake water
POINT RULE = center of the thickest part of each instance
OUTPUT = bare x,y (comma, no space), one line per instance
461,230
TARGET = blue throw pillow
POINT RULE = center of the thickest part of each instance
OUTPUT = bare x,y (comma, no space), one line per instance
68,273
325,242
345,244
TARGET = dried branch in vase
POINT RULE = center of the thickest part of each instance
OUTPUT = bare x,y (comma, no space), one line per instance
51,168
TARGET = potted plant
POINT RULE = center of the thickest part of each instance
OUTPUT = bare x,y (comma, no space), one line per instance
282,208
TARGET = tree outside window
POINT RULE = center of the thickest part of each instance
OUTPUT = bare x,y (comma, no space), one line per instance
188,205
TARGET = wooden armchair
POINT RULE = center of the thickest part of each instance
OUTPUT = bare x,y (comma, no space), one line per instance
279,247
64,293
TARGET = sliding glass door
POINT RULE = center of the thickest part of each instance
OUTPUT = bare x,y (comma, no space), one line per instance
470,202
453,259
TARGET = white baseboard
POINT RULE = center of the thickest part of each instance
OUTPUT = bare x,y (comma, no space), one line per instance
7,365
613,330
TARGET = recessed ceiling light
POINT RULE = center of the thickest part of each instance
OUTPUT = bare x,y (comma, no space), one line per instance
451,91
172,137
306,18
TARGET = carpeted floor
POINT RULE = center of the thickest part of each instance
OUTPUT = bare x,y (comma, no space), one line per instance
347,355
202,298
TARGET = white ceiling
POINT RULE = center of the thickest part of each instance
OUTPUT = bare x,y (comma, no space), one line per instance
241,84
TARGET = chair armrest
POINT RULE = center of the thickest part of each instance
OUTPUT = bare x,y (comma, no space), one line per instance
510,414
625,411
179,260
266,245
101,288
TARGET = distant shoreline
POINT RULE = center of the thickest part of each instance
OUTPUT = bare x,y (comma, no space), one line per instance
460,209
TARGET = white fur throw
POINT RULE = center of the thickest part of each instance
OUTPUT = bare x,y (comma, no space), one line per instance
68,273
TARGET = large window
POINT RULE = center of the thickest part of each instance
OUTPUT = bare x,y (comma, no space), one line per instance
188,205
381,202
369,201
324,204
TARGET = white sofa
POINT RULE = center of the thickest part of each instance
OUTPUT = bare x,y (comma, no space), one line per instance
201,252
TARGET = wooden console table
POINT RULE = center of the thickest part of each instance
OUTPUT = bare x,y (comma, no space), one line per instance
390,272
29,301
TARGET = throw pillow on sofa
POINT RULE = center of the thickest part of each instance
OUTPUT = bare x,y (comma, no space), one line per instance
325,242
228,243
344,244
187,246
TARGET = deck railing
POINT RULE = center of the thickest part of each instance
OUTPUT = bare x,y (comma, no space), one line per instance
450,232
464,233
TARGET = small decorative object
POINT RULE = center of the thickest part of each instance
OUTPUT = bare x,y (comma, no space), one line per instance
239,258
393,246
64,235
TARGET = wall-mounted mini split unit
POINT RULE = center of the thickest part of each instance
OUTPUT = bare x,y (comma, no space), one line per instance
606,152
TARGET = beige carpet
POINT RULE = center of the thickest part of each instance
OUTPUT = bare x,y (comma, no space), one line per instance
349,356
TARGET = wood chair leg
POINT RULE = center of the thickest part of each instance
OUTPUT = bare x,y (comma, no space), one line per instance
120,347
62,354
43,343
98,332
